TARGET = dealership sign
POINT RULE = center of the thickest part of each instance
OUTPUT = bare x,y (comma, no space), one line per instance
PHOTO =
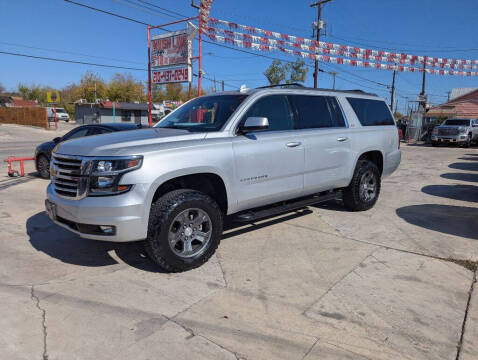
171,57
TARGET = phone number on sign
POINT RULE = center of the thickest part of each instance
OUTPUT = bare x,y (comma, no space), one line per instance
172,75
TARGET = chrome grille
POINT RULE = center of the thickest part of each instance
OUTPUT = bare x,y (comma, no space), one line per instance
447,131
67,176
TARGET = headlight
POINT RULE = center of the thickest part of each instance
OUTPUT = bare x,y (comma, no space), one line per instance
462,130
435,130
106,173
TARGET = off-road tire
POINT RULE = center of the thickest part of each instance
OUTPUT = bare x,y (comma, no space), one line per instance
467,143
435,144
351,194
43,167
163,212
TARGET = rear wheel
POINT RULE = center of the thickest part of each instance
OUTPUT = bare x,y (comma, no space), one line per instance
364,189
467,143
43,166
185,228
435,143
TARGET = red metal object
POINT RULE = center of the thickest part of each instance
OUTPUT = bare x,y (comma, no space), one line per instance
11,171
150,118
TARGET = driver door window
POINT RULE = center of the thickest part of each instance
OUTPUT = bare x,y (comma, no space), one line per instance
276,109
76,134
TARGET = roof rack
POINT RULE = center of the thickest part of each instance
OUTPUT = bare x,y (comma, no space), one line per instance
282,85
300,86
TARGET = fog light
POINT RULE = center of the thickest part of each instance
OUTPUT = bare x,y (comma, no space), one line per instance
107,230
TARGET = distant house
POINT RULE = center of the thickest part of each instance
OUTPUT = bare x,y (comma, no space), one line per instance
16,101
463,103
105,112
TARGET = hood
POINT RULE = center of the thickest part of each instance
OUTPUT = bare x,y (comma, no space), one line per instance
123,143
46,146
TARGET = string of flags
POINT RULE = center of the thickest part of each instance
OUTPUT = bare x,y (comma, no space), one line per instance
264,40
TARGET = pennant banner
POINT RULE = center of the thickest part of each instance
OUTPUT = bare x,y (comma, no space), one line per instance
298,44
251,43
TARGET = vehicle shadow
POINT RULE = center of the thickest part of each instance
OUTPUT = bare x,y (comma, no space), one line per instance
464,166
455,192
447,219
460,176
471,154
61,244
469,158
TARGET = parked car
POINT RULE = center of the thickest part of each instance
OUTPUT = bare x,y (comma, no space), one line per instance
61,114
248,154
43,151
459,131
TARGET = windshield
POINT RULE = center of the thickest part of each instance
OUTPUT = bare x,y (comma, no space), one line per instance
60,110
207,113
458,122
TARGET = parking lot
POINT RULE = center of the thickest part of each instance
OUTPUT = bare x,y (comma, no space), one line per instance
320,283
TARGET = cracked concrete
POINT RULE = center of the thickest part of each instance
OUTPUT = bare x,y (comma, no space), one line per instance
43,322
320,283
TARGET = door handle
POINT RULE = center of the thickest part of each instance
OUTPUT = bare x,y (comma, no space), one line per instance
293,144
342,139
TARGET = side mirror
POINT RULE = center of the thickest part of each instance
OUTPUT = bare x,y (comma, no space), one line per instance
57,140
254,123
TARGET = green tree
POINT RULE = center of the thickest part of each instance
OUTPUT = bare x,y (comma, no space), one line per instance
125,88
91,84
297,71
275,73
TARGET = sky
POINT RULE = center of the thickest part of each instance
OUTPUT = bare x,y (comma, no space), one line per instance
55,28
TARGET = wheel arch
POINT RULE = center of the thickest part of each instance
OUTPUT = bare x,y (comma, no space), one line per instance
207,180
373,155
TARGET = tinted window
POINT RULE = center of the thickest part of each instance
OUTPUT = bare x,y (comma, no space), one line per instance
97,131
208,113
371,112
276,109
76,134
317,111
458,122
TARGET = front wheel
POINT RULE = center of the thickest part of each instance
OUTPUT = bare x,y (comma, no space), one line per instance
184,231
43,166
364,189
467,143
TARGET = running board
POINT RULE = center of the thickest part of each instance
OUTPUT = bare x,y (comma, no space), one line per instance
260,213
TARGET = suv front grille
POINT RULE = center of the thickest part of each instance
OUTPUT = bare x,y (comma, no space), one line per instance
67,176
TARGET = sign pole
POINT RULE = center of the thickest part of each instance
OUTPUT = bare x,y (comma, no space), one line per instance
114,111
200,60
56,120
150,119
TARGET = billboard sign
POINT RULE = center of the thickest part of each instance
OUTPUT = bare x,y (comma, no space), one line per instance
53,97
171,57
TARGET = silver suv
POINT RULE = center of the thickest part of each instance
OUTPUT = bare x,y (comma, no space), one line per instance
252,154
460,131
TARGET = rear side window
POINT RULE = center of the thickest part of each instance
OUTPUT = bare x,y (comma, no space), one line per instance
317,111
371,112
276,109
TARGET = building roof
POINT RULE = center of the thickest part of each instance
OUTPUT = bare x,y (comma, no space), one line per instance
118,105
463,109
17,101
459,92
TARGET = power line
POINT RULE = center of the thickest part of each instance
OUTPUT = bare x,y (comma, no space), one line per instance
221,45
142,7
107,12
68,52
71,61
161,8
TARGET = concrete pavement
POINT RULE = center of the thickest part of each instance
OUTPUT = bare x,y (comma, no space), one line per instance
321,283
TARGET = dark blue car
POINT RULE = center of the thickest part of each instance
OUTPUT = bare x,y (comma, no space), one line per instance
43,151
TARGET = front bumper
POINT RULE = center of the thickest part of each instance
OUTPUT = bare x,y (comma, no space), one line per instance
126,212
450,138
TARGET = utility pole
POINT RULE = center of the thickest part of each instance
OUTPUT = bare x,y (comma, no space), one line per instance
392,91
334,74
422,102
215,90
319,27
222,85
